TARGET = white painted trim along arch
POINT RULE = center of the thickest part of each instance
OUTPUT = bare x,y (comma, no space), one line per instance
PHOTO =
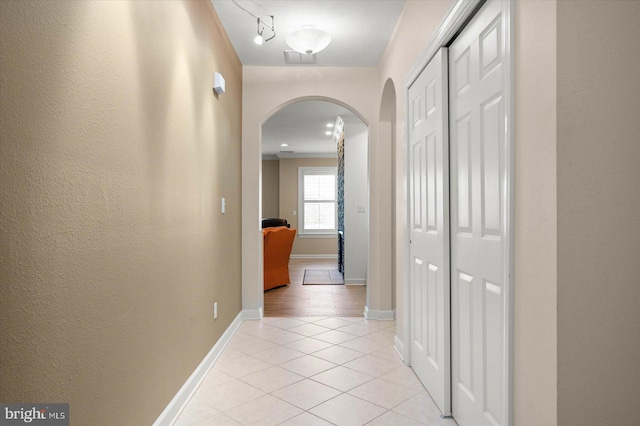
314,98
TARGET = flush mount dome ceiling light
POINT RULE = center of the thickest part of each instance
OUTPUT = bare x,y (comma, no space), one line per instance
308,40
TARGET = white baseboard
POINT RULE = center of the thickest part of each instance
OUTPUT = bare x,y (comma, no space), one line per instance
252,314
398,345
183,396
379,315
355,281
367,313
313,256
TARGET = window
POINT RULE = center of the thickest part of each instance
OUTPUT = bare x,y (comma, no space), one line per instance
317,200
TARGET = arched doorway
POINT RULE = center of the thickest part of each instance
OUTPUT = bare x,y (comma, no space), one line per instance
283,140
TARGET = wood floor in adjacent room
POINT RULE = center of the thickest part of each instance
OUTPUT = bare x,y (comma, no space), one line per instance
298,300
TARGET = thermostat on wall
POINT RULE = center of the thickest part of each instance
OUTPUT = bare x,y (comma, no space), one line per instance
218,83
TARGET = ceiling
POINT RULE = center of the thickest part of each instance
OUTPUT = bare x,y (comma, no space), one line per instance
303,127
360,31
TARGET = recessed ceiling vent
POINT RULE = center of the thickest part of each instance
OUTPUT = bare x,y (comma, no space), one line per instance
291,57
286,152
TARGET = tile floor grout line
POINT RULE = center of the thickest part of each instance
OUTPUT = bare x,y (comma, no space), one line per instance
373,357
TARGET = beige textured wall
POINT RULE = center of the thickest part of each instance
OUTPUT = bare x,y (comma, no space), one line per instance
289,203
270,188
535,224
598,213
114,154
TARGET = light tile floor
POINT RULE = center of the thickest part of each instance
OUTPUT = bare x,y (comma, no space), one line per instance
311,371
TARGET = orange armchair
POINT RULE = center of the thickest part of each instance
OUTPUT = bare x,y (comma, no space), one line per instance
278,242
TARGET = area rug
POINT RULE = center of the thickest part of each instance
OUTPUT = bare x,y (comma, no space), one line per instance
322,277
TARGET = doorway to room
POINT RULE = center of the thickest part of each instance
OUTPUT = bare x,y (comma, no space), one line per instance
315,176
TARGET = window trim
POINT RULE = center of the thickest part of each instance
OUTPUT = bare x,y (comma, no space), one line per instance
316,233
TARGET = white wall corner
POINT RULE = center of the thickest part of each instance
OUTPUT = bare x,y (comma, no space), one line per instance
173,410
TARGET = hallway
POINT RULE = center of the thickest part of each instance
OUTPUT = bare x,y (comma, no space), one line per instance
311,371
130,240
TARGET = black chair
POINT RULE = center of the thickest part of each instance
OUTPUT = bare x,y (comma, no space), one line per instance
273,222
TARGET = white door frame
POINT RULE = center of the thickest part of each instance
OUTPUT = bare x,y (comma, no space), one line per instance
452,24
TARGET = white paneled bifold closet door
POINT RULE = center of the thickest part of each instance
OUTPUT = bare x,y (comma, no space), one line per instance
479,177
429,231
459,214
